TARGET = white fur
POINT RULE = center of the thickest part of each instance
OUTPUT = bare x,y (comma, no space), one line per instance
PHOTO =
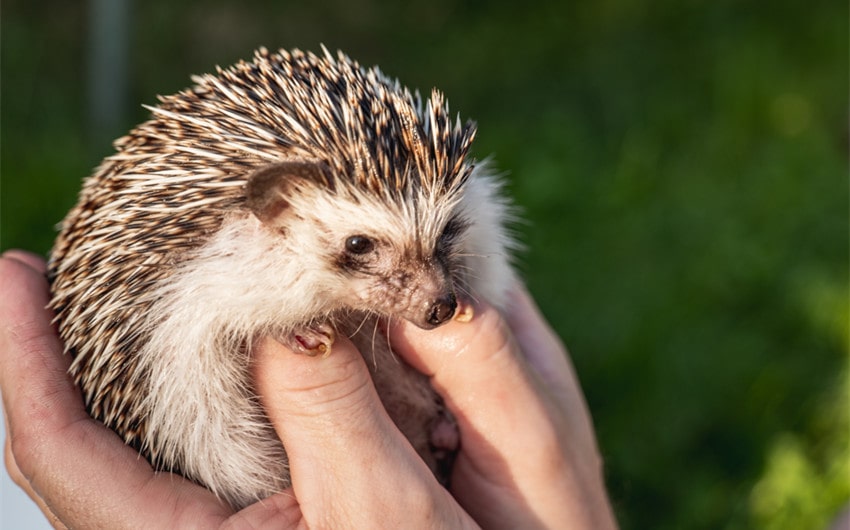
488,244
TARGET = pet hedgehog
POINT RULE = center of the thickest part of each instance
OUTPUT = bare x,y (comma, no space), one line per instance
296,196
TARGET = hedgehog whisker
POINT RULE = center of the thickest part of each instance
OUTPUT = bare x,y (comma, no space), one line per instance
468,294
374,336
362,323
471,255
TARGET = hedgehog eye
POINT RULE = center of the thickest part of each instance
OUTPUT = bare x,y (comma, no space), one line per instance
359,244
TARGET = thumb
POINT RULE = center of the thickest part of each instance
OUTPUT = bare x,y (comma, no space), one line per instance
475,364
317,403
345,453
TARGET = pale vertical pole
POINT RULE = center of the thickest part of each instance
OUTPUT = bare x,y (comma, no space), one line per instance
107,81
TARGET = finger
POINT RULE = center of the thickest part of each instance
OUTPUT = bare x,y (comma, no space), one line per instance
549,358
517,447
511,431
278,511
346,456
21,481
82,471
29,259
29,346
538,342
473,362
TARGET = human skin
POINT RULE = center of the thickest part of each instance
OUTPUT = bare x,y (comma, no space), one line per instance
528,456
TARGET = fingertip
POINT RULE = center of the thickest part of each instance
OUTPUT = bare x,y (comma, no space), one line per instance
21,283
24,295
31,260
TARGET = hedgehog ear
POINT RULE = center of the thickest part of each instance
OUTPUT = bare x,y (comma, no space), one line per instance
270,188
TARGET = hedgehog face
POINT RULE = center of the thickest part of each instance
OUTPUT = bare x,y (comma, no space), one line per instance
396,278
391,258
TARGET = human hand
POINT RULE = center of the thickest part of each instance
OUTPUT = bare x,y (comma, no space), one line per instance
529,456
81,474
78,472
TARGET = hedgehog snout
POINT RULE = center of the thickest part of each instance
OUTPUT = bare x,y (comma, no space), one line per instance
436,312
441,310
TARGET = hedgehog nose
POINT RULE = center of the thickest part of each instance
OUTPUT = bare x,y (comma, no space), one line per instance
442,309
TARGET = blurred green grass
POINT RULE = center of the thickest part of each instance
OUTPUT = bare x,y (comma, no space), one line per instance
683,170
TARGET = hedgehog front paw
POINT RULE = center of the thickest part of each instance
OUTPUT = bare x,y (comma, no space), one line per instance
313,340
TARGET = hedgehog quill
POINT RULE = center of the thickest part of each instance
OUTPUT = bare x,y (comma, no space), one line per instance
296,195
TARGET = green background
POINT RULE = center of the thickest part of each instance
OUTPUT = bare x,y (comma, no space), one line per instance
682,166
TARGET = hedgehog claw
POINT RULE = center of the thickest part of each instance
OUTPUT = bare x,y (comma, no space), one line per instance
314,340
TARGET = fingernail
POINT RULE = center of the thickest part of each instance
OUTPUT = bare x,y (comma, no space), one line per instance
464,312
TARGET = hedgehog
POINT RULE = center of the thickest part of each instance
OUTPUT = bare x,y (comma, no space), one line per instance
295,195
